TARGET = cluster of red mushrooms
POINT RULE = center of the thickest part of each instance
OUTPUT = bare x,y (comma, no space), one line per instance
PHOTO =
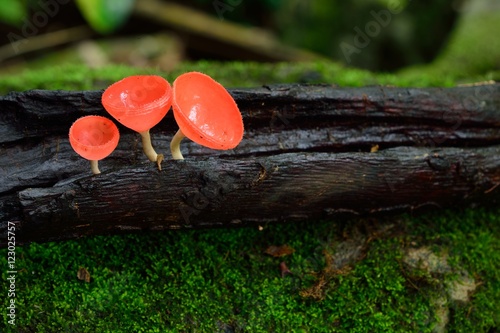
203,109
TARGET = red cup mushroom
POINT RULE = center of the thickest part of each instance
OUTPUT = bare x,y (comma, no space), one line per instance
139,102
206,113
93,138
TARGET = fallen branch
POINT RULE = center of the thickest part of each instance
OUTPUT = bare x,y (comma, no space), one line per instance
305,155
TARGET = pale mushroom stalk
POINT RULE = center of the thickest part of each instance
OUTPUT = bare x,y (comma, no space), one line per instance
149,150
94,166
175,145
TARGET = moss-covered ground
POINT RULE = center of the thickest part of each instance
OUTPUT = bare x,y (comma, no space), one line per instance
222,281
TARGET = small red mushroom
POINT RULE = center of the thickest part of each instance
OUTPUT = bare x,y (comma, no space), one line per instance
93,138
139,102
206,113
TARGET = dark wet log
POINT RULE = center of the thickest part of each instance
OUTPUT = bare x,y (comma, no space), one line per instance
305,155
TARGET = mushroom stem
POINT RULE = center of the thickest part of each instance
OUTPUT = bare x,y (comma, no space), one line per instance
149,150
94,166
147,147
175,145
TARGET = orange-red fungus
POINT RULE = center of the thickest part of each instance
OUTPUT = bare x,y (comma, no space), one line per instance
94,138
205,112
138,102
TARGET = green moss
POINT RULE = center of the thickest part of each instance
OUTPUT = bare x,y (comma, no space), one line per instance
216,280
234,74
473,244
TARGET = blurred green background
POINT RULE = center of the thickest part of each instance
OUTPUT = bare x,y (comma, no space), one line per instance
413,36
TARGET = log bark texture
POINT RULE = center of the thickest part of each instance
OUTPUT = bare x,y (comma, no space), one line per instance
308,153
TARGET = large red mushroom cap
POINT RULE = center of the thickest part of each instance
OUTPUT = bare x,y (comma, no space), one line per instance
205,112
138,102
93,137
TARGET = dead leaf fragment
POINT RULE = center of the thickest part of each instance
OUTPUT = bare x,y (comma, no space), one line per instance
284,269
83,274
279,251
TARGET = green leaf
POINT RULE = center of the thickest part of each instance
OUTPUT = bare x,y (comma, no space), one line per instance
12,12
105,16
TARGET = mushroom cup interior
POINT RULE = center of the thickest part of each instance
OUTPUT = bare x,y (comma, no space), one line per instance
138,102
